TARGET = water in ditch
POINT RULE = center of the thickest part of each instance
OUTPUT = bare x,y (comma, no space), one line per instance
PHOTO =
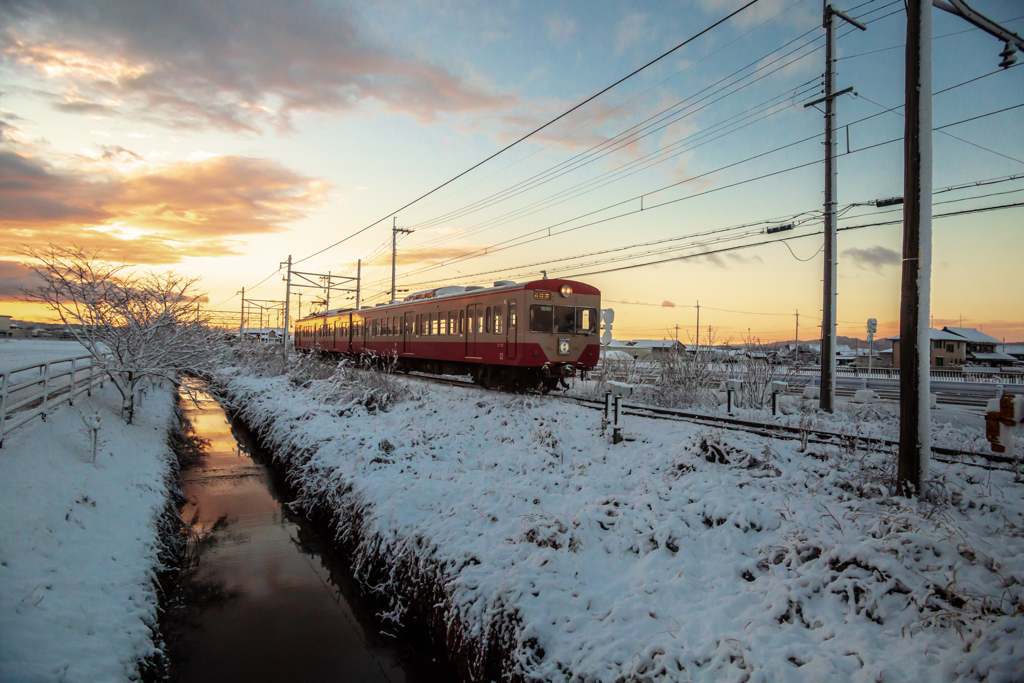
270,599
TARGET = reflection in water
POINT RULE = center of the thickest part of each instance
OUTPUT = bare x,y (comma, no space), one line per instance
269,600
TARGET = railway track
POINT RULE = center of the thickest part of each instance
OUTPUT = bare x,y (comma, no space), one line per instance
819,437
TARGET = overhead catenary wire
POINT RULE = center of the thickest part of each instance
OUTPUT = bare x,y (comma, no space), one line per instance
810,216
500,246
539,128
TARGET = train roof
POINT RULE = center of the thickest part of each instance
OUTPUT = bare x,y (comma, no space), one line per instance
554,284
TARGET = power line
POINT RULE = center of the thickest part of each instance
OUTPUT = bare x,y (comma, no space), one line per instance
795,237
539,128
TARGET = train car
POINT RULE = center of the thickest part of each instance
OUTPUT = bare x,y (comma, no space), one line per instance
518,335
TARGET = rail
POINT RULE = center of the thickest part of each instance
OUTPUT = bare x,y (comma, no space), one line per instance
33,390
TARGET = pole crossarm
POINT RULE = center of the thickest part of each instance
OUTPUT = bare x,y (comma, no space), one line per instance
827,98
965,11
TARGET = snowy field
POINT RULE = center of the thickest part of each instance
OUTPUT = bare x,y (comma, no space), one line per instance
691,553
78,541
16,353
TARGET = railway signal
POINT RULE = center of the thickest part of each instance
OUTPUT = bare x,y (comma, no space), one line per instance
607,318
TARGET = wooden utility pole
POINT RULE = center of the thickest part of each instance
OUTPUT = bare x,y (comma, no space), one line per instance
698,328
287,304
241,323
394,249
915,295
915,340
796,358
830,295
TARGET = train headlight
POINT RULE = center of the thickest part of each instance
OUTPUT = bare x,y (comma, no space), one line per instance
566,290
563,346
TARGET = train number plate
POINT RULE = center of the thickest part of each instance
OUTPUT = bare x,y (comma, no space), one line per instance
563,346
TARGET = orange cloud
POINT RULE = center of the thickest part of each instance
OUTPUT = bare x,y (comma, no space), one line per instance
152,215
195,64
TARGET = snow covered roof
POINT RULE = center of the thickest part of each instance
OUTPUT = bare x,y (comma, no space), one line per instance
936,335
972,335
998,355
646,344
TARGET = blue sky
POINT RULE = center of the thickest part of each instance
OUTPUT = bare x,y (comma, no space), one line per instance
217,138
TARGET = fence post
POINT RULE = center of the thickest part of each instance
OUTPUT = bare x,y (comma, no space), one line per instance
607,406
71,397
616,426
3,404
46,390
88,389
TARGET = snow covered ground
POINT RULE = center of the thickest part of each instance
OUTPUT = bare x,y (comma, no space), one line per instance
691,553
16,353
78,541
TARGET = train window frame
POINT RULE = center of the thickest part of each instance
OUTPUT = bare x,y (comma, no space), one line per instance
536,321
479,320
498,329
561,316
488,323
590,312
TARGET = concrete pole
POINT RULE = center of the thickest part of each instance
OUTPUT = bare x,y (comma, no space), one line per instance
241,322
830,300
359,280
915,340
287,304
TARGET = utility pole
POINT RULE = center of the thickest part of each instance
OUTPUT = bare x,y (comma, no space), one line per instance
394,248
298,316
915,340
287,304
359,280
698,328
241,323
915,302
796,358
828,311
327,296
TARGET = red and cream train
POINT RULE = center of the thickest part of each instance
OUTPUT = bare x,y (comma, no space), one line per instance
519,335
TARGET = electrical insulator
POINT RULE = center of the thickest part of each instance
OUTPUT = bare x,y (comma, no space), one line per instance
1009,55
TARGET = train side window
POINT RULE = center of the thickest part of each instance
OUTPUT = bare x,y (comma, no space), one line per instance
541,318
462,315
487,320
512,313
497,320
443,320
435,324
479,320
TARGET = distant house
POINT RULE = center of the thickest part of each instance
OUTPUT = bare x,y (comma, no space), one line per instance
647,349
5,326
1015,349
947,349
982,349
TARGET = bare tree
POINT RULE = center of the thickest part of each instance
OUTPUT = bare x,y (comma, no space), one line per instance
140,328
758,369
688,378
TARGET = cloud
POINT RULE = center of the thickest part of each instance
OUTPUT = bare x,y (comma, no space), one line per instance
873,258
631,30
149,214
560,28
413,256
14,277
238,65
667,304
723,260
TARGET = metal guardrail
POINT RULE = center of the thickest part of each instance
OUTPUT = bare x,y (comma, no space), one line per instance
54,382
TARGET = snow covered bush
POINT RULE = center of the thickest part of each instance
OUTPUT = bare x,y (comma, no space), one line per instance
141,328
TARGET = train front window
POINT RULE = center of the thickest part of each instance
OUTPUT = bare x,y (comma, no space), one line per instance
540,318
565,320
586,321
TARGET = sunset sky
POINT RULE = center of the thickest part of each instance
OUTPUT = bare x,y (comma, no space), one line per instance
217,138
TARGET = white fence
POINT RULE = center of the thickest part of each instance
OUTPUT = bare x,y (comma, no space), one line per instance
33,390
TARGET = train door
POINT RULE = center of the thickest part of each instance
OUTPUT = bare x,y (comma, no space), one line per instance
510,331
471,314
406,333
